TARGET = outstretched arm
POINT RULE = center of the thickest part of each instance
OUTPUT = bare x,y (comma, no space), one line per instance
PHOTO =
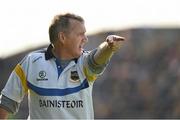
98,58
108,48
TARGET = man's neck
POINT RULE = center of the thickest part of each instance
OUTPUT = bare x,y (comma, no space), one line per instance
60,54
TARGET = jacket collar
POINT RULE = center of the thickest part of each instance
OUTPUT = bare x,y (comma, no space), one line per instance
49,54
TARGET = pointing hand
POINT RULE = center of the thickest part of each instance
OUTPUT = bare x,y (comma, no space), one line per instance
115,42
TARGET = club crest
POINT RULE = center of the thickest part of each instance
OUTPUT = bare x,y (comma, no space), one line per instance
74,76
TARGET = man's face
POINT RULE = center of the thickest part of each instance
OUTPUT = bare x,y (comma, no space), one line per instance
75,39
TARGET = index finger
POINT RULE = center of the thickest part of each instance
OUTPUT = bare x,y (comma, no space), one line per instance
118,38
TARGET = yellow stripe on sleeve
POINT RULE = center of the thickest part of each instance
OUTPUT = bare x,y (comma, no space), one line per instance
89,76
19,71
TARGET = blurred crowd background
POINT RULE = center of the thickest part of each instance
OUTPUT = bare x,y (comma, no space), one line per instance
142,79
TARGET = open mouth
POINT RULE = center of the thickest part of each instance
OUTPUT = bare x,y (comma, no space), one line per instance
81,46
82,49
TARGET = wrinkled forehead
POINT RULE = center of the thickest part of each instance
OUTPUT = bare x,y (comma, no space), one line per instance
77,25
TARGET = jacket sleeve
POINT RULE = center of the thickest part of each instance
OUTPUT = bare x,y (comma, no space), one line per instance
90,68
16,86
10,105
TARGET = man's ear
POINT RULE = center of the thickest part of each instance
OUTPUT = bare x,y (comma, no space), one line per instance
61,37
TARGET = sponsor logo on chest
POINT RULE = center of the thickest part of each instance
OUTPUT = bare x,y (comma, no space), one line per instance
42,76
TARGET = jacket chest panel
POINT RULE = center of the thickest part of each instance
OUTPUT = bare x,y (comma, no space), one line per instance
46,76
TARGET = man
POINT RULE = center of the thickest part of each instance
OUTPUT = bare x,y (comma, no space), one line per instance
59,80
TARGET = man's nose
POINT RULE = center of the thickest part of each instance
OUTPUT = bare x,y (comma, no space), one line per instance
85,39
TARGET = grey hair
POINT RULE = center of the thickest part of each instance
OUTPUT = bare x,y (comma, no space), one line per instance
61,23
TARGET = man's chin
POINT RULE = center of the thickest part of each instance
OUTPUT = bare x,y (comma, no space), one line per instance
78,55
